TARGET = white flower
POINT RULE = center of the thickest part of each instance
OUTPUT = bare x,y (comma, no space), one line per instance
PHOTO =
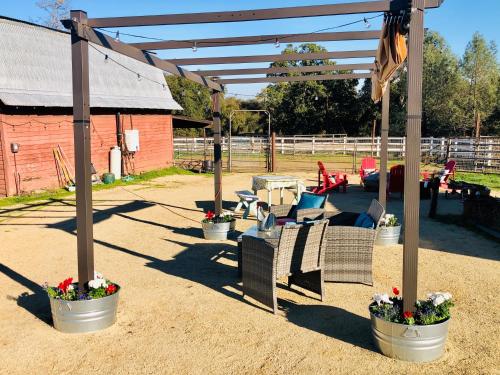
97,283
381,298
98,275
389,216
70,287
438,298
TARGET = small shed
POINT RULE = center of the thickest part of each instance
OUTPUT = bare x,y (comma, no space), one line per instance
36,107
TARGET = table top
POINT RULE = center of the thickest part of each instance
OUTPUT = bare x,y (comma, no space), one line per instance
254,232
276,178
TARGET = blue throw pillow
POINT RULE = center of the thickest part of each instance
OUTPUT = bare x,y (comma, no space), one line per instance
368,222
308,200
361,218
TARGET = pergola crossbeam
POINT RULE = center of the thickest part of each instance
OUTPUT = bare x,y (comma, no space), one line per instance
251,15
274,58
259,39
285,69
323,77
89,34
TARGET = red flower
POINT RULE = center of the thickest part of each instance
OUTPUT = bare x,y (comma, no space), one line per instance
407,315
395,291
210,215
65,284
110,289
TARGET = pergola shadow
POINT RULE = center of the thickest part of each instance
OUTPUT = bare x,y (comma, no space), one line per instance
37,303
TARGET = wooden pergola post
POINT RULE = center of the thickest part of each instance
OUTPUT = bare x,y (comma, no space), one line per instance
216,106
412,157
83,173
384,132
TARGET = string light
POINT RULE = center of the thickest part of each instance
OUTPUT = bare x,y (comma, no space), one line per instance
367,24
277,43
106,59
316,98
117,36
139,77
195,47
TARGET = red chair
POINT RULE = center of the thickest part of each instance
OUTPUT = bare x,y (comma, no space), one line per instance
330,181
396,180
368,166
444,174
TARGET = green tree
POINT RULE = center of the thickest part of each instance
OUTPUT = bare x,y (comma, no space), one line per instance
480,68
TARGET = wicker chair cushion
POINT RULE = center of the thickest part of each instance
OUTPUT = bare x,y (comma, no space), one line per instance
308,200
364,221
284,220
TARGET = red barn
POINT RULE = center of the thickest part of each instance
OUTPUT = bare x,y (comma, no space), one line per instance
36,108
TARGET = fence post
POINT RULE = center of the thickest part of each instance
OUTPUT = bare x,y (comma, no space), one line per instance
313,142
442,148
282,145
378,147
403,154
345,145
294,145
273,152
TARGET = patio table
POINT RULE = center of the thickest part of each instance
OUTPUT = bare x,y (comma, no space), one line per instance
271,236
271,182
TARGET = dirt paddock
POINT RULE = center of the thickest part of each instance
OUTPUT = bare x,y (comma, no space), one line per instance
181,310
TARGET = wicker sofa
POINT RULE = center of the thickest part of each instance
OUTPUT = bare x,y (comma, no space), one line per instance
289,211
348,254
298,255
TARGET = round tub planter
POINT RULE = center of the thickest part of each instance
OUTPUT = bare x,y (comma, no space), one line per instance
216,231
410,343
387,236
84,316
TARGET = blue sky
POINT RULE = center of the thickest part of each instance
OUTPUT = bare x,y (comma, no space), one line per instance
455,20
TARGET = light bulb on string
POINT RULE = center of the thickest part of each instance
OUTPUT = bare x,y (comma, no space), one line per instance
277,43
195,47
106,59
139,77
117,36
367,24
164,87
316,98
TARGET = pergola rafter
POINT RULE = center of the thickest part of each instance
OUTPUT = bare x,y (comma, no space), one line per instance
82,33
285,69
303,78
251,15
274,58
260,39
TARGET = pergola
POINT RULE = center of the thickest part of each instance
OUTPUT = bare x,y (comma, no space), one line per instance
83,31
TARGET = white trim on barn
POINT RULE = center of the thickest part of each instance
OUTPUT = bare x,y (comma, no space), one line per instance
35,71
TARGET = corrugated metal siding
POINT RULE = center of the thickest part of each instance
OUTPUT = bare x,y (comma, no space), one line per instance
35,161
36,71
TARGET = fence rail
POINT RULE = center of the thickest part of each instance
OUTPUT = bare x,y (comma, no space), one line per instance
471,154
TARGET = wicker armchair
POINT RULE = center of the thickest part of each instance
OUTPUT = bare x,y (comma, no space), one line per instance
297,254
348,254
288,211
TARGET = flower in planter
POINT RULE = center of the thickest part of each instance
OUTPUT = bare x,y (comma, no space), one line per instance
98,288
389,220
435,309
222,218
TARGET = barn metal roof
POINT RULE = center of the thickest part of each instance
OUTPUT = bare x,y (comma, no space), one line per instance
35,70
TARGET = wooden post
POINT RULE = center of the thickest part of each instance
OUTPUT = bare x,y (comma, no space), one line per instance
83,173
412,156
216,108
273,152
382,186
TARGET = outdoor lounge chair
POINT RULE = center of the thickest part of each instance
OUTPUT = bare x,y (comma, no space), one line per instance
396,180
297,254
288,212
348,252
368,166
447,171
329,182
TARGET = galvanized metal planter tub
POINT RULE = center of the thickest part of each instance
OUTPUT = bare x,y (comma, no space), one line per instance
84,316
387,236
216,231
410,343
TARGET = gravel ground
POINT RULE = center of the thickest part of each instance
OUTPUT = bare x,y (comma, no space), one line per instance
181,310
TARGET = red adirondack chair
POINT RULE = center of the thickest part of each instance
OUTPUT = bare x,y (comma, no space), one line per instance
396,180
444,174
368,166
330,182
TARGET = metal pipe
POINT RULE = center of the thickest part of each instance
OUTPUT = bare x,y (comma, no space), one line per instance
216,105
382,187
